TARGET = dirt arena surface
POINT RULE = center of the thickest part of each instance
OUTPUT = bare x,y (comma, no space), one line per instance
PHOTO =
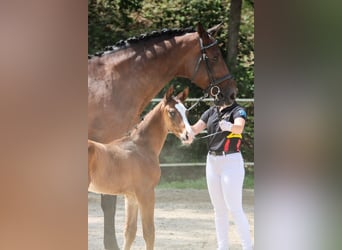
184,220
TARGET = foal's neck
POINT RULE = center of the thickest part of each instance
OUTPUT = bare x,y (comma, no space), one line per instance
152,131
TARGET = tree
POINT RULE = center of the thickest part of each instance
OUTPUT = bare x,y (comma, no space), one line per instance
233,33
110,21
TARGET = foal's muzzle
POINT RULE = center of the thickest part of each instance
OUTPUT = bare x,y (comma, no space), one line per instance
187,137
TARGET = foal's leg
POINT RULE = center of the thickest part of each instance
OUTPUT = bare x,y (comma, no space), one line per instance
131,221
146,201
108,205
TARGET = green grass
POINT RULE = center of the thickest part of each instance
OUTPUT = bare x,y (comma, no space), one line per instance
200,183
195,184
249,181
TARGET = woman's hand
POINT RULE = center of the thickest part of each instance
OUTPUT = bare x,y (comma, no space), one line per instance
225,125
236,127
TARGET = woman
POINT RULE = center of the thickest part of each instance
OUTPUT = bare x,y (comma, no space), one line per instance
225,169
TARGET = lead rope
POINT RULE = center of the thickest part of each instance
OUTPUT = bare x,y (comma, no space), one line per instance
216,133
206,136
199,100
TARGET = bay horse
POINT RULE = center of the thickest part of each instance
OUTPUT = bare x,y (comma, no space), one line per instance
130,165
140,67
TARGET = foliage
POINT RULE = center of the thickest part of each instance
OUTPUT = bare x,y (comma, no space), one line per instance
109,21
245,72
112,20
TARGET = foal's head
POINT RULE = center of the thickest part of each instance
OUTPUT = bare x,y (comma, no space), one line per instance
175,115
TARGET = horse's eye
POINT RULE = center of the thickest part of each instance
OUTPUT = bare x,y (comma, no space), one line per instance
172,113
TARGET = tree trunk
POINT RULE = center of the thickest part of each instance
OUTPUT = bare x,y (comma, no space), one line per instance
233,33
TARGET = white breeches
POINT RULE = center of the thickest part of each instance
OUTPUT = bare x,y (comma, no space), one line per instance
225,175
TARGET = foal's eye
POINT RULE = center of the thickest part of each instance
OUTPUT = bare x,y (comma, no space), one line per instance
172,113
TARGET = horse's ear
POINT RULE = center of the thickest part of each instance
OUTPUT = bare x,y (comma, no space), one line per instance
214,30
201,31
183,95
168,94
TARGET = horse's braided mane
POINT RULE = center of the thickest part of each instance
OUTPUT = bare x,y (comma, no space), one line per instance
164,33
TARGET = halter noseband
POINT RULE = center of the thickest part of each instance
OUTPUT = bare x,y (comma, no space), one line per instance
213,89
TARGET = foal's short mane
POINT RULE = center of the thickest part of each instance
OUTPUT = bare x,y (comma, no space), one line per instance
161,34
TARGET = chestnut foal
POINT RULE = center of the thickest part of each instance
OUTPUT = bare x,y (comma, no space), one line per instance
130,165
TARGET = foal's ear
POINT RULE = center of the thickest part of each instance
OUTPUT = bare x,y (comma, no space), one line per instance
214,30
183,95
168,94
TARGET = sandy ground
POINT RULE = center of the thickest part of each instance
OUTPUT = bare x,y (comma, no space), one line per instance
184,220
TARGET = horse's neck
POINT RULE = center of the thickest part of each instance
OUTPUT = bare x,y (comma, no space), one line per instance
121,84
152,132
168,59
150,66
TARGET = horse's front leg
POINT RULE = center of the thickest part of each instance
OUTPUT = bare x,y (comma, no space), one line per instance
108,205
146,201
131,206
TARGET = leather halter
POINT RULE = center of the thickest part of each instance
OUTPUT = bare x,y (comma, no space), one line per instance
213,89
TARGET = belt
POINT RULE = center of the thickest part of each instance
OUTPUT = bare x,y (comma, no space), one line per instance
217,153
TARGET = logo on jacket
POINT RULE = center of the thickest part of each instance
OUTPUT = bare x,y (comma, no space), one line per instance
242,113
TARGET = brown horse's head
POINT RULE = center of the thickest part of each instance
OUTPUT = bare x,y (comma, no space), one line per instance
211,70
175,115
